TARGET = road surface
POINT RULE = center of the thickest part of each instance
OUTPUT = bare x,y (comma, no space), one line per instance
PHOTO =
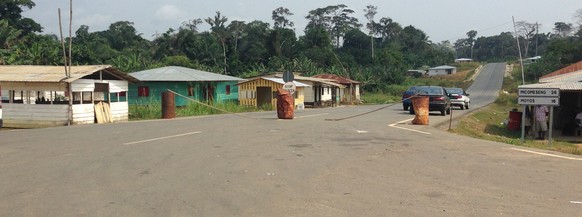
257,165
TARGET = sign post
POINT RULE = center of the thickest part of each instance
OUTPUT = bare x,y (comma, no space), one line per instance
290,86
539,96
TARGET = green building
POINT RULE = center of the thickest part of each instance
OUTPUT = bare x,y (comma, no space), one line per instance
194,84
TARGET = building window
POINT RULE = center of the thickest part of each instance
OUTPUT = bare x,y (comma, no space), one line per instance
122,93
143,91
227,89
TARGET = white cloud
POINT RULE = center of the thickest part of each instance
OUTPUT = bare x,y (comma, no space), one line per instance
169,13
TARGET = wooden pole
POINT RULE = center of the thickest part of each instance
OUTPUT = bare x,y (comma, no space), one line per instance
70,36
63,44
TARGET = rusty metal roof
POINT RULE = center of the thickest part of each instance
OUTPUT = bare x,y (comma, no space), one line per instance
339,79
55,74
568,86
575,76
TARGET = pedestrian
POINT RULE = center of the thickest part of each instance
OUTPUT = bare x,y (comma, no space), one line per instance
541,115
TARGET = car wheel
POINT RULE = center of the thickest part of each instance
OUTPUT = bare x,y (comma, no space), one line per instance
405,107
411,111
462,107
449,111
443,112
467,106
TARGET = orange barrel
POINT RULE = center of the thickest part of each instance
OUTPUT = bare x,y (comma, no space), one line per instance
420,105
168,105
285,103
514,121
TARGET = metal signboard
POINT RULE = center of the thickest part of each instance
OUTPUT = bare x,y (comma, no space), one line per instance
550,101
288,76
539,92
290,86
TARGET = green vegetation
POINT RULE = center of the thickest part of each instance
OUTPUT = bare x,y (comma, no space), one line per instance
153,110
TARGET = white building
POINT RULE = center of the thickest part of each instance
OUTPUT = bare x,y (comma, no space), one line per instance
442,70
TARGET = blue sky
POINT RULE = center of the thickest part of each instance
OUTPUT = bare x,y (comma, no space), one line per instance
439,19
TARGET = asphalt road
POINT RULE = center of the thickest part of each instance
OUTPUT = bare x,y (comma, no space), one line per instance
257,165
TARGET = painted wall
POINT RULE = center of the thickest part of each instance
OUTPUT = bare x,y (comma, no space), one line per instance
157,88
248,92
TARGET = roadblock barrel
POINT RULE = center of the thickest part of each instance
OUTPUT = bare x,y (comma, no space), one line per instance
514,122
285,103
168,105
420,105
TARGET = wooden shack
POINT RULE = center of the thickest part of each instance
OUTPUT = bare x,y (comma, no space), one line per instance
45,96
263,91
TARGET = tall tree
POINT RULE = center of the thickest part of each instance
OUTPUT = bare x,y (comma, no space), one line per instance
371,12
218,27
562,29
280,18
527,31
342,21
11,10
192,24
471,40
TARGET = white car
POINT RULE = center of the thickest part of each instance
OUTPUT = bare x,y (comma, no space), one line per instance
459,97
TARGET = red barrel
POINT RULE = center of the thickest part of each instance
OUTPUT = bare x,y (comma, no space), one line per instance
514,121
168,105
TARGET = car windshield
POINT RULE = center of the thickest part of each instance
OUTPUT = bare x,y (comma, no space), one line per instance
455,90
430,90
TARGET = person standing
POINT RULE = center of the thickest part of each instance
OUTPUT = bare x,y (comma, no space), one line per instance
541,115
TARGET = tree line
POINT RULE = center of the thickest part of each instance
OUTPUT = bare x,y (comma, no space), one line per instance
377,51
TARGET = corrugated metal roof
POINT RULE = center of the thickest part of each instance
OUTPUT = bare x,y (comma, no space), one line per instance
559,85
54,74
338,78
571,68
443,67
276,80
568,77
177,73
280,81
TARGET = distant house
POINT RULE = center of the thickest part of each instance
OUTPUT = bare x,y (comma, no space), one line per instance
531,60
442,70
463,60
323,92
196,84
44,96
263,91
350,94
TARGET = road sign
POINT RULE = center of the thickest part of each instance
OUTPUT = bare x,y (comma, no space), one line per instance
288,76
290,86
539,92
551,101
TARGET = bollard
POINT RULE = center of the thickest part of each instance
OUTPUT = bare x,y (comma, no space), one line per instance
420,105
168,105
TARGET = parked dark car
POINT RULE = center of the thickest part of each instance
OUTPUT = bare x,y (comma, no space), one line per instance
438,99
406,102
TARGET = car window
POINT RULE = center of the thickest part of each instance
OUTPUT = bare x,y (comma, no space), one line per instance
455,91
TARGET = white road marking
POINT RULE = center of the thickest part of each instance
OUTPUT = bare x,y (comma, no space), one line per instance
546,154
309,116
403,128
161,138
576,202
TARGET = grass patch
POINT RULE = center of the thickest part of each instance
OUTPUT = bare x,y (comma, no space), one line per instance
488,124
153,110
380,98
